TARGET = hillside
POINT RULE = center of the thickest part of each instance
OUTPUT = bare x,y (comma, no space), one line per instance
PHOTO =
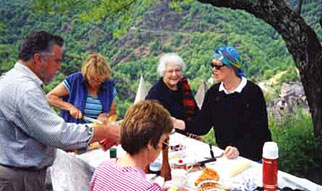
153,30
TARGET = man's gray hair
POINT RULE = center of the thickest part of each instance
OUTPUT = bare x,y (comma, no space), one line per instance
38,42
170,59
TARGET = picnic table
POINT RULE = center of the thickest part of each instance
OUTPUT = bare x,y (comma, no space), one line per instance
72,172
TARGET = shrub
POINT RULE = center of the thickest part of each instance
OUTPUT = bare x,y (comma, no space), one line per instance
300,151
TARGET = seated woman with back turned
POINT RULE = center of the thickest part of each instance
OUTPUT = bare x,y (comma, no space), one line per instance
90,92
146,126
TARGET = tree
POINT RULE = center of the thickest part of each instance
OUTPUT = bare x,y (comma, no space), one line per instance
300,39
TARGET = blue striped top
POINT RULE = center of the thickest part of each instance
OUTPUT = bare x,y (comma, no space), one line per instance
93,107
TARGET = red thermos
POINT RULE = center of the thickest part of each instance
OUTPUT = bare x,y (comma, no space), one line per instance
270,166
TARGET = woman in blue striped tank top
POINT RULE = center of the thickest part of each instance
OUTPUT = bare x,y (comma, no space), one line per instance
90,92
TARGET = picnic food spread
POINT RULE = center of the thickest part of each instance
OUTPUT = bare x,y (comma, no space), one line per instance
207,174
210,186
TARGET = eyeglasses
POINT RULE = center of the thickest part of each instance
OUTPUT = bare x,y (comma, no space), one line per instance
51,55
177,71
165,144
96,80
47,54
218,67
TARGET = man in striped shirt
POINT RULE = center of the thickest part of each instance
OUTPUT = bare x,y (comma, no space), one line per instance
29,129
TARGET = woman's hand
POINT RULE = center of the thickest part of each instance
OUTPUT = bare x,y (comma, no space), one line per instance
194,136
75,112
103,117
165,188
178,124
231,152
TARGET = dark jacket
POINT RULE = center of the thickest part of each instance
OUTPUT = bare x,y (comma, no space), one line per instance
239,119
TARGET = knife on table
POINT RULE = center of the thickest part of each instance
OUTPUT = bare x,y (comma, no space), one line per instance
212,159
93,120
202,163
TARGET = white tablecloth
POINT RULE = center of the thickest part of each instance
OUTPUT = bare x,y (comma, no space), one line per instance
201,150
72,172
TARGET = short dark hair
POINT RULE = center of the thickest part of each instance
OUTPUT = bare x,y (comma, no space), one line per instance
37,42
144,123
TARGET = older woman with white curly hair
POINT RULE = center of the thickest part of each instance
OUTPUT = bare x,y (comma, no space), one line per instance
172,90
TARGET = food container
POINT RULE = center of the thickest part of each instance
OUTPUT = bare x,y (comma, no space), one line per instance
180,164
211,185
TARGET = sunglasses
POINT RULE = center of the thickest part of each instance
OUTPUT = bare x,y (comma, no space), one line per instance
218,67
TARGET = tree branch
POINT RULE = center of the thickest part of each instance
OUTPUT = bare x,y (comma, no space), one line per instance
299,7
279,15
300,39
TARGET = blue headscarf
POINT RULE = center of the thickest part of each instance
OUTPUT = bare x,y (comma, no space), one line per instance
229,56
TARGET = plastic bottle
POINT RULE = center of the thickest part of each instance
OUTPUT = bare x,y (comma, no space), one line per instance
165,169
270,166
180,164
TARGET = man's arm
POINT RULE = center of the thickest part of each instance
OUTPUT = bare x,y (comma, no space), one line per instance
109,131
40,122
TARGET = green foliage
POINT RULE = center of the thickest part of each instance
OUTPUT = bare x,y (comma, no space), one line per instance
132,39
179,5
290,75
300,152
210,138
122,108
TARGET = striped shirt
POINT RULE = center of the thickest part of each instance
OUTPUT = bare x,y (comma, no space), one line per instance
29,129
93,107
111,177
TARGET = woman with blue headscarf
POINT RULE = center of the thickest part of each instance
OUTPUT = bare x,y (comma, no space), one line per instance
234,107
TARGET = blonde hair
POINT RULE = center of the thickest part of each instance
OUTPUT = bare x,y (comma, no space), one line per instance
95,64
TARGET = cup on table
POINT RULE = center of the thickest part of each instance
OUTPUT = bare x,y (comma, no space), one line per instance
155,167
